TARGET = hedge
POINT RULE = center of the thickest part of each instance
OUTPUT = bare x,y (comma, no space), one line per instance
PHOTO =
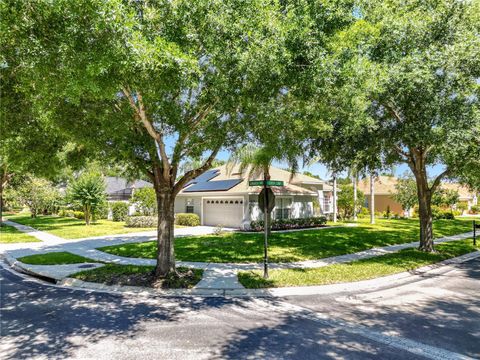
119,211
141,221
285,224
187,219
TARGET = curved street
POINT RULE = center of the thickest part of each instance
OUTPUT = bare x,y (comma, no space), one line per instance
436,317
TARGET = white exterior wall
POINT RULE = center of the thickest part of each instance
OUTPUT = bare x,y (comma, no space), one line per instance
181,204
302,207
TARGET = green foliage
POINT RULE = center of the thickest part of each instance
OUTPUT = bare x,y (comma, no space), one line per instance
187,219
439,213
406,192
443,197
462,205
119,210
145,201
345,201
286,224
475,209
87,192
39,195
141,221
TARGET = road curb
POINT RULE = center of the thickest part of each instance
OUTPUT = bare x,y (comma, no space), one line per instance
364,285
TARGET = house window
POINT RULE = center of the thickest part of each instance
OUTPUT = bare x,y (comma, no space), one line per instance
190,208
283,208
326,205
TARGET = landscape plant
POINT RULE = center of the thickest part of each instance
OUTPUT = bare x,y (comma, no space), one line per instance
87,191
145,201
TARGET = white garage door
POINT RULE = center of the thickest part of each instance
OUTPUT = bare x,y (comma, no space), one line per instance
225,212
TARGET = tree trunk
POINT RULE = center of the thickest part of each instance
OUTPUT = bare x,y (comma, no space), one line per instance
165,236
87,215
424,211
355,198
1,201
334,198
372,199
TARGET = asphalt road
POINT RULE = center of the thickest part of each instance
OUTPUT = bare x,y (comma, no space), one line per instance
437,317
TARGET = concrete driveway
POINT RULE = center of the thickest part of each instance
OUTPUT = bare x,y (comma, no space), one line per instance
435,317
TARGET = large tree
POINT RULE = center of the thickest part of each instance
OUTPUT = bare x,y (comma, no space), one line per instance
411,74
152,84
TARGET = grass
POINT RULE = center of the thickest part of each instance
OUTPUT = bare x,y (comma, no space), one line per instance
293,246
113,274
71,228
404,260
55,258
10,235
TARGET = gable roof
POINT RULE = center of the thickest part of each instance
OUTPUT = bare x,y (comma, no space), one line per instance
115,185
232,181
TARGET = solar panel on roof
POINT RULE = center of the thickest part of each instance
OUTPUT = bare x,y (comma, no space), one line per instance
206,176
219,185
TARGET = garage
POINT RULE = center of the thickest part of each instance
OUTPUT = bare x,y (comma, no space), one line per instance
223,211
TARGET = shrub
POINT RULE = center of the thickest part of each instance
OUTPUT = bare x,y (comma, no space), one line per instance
363,213
78,215
88,193
438,213
101,212
119,211
285,224
462,206
145,201
187,219
141,221
475,209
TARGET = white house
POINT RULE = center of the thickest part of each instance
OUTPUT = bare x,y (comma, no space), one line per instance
222,196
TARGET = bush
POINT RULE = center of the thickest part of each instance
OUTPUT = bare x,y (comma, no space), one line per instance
145,201
101,212
285,224
141,221
475,209
187,219
119,211
438,213
79,215
363,213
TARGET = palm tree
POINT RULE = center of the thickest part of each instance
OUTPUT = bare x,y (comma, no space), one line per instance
257,160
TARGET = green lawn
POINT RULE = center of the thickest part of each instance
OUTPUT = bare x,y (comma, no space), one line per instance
113,274
401,261
293,246
55,258
70,228
10,235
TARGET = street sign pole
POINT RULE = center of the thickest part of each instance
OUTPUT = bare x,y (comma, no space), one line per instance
267,207
265,230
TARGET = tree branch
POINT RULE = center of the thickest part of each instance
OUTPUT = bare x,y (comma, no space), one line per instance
192,174
439,178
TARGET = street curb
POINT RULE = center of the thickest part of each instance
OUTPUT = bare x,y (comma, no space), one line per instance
19,266
364,286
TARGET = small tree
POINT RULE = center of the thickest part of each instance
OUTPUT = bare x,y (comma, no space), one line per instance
406,193
38,194
346,201
445,197
145,201
88,192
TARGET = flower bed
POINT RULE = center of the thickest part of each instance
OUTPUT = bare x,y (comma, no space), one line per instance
287,224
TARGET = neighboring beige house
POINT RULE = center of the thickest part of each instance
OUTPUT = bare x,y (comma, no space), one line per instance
222,196
385,188
383,191
466,196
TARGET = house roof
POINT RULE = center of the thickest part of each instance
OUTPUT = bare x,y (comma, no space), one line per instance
385,185
293,184
115,185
